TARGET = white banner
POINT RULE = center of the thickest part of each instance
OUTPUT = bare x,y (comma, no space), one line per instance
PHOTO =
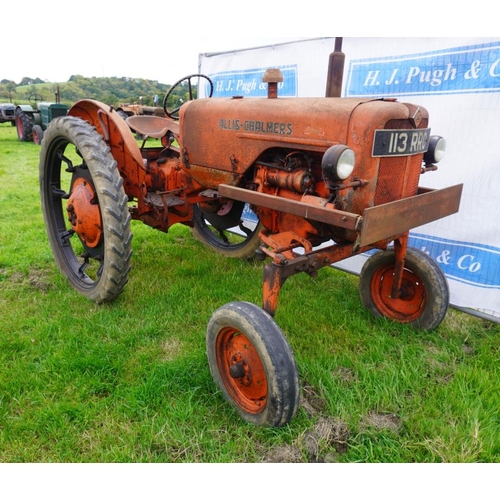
458,81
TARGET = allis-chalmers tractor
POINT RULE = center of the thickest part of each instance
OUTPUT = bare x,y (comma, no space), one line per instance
327,178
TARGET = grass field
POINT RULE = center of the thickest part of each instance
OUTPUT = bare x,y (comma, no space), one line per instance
129,381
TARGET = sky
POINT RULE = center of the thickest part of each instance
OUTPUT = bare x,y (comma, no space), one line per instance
89,59
151,39
161,40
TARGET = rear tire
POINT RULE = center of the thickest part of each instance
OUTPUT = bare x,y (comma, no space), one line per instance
85,209
228,234
24,125
252,363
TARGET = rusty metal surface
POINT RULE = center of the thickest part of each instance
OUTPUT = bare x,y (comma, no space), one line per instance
310,207
118,136
335,73
152,126
267,153
395,218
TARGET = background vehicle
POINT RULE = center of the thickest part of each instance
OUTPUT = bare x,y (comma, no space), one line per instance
32,119
326,179
126,110
7,113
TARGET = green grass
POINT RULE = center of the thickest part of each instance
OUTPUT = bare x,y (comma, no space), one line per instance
129,381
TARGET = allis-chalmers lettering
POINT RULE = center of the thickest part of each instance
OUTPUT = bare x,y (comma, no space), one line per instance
256,126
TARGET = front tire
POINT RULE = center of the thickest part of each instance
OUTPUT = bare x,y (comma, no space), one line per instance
424,297
85,209
37,134
253,365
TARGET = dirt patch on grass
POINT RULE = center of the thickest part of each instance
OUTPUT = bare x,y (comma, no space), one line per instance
311,401
171,348
381,421
345,375
39,280
36,278
324,442
321,444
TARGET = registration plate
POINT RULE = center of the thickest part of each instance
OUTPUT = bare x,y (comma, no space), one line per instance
401,142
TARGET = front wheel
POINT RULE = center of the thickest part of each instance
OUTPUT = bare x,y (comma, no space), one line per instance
424,294
37,134
253,365
85,209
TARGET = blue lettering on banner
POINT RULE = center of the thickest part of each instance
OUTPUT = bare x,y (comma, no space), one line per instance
471,263
248,83
460,70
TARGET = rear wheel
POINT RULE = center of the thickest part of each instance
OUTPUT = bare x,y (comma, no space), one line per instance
424,294
24,125
227,230
253,365
85,209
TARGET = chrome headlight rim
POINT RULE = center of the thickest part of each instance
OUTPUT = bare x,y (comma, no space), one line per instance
436,150
338,162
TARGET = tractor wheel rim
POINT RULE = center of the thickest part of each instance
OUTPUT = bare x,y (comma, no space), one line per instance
241,370
84,213
409,306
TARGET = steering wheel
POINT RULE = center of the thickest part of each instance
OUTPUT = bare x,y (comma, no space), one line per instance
35,98
175,112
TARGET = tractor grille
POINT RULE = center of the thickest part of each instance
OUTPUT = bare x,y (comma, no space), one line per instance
398,178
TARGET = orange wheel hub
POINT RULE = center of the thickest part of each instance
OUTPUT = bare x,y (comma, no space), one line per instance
84,213
411,302
241,370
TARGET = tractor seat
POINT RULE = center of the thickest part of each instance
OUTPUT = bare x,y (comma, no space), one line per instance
152,126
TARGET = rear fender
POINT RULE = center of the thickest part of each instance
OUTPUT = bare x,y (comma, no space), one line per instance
120,139
24,107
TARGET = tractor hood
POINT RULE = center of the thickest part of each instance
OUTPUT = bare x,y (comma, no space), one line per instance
229,135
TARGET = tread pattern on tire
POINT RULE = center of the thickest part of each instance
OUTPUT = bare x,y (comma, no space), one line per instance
112,200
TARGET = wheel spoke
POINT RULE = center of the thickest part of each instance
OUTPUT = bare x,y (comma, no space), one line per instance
81,269
59,193
245,229
66,236
223,237
70,168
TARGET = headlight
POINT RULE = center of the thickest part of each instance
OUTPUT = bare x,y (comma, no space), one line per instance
437,148
338,163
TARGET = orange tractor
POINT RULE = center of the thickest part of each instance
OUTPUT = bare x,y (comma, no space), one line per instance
324,179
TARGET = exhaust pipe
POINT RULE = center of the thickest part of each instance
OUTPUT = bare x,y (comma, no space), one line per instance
335,71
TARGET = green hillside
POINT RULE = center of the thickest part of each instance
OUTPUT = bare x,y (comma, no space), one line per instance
112,90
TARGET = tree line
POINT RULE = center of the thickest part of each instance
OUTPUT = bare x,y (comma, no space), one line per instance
110,90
